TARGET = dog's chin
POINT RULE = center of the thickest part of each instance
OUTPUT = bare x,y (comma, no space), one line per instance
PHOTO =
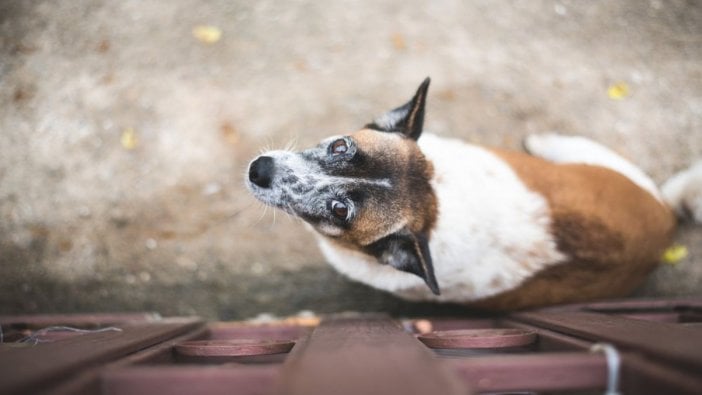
263,195
268,197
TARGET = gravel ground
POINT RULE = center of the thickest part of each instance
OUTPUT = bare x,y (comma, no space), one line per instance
124,137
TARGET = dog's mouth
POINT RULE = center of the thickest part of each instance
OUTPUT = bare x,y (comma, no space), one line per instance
272,198
265,196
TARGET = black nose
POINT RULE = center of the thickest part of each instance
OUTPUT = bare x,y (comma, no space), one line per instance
261,171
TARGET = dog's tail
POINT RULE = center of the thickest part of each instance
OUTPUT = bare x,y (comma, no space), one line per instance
683,192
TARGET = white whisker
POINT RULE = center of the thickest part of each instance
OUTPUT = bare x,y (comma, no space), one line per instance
289,211
291,146
263,214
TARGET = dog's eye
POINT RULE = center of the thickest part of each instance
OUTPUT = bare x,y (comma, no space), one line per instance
339,209
339,147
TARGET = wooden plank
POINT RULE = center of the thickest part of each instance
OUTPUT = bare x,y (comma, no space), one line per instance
29,367
642,376
364,355
644,305
631,305
674,343
88,381
176,380
533,372
77,319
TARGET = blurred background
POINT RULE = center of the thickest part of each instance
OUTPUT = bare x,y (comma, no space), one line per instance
126,128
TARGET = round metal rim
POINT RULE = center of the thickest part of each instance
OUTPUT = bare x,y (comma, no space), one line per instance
233,348
479,338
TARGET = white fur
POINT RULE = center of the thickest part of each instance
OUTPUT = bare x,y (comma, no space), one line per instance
390,119
576,149
304,169
683,192
492,232
328,229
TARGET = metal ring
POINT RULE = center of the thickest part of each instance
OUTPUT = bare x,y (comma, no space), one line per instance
479,338
233,347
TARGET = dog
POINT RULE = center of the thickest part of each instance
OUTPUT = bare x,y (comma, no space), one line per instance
437,219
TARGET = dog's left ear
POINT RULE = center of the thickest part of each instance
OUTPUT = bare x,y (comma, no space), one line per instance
408,252
407,119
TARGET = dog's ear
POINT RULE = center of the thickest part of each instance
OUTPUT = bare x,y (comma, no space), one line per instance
408,252
407,119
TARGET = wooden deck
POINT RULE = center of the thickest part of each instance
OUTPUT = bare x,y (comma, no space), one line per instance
659,345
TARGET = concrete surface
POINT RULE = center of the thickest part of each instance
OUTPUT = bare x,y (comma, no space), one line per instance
124,139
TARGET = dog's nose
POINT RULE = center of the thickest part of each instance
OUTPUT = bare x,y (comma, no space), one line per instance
261,171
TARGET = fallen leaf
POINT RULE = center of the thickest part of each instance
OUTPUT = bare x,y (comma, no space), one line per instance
103,46
674,254
129,139
618,91
229,133
207,34
398,41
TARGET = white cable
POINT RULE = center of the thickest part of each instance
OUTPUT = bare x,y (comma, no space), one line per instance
613,364
36,336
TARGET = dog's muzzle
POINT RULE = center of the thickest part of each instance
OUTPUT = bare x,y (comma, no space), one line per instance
261,171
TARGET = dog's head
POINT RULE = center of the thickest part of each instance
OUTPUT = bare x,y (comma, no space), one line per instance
368,190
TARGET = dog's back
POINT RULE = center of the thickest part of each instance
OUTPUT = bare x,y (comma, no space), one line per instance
611,229
515,230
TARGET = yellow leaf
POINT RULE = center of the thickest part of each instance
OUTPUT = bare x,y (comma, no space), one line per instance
675,254
398,41
129,139
207,34
618,91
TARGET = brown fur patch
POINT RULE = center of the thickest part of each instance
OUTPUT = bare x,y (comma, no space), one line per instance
613,232
411,199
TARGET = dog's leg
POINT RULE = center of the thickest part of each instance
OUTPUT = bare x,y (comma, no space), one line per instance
576,149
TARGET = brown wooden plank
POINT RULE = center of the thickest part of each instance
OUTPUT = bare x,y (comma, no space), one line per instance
642,376
533,372
176,380
671,317
30,367
77,319
88,380
618,305
364,355
674,343
644,305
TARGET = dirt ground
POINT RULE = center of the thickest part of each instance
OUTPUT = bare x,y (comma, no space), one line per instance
124,137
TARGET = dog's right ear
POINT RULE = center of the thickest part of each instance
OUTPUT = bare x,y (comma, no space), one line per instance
408,252
407,119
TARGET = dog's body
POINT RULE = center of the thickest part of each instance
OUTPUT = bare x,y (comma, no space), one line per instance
439,219
504,218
